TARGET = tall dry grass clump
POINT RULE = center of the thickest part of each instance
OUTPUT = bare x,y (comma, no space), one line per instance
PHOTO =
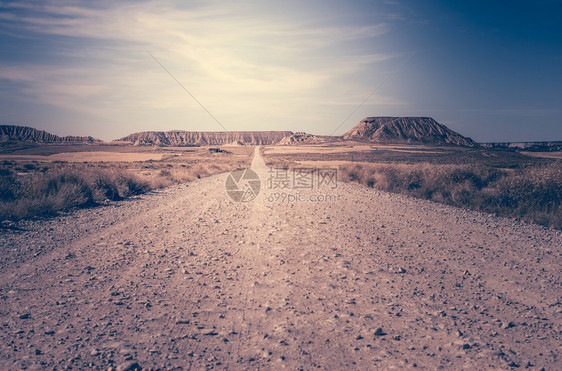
45,194
532,192
188,173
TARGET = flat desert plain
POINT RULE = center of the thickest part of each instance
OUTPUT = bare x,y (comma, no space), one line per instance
186,278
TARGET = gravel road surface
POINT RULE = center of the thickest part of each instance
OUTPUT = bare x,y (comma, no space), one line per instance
186,278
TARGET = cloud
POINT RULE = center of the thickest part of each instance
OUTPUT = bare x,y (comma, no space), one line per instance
236,60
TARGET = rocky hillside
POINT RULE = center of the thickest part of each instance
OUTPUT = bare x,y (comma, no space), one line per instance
555,146
200,138
15,133
304,138
415,130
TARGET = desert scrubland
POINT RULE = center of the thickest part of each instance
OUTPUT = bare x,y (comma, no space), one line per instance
186,278
501,182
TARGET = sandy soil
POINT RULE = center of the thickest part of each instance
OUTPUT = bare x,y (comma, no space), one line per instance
188,279
557,155
88,156
347,147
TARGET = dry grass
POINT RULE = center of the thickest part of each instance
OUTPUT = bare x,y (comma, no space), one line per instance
45,194
501,182
533,193
188,173
39,189
556,155
87,156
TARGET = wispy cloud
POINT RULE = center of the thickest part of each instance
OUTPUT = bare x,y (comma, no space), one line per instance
235,61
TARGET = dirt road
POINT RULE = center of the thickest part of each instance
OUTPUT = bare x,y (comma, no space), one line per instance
186,278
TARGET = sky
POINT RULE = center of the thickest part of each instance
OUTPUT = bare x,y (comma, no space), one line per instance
490,70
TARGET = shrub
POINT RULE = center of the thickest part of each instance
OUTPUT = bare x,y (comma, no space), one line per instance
533,192
8,186
61,186
45,194
165,173
129,184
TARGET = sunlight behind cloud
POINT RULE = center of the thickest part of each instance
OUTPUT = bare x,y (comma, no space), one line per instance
240,63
